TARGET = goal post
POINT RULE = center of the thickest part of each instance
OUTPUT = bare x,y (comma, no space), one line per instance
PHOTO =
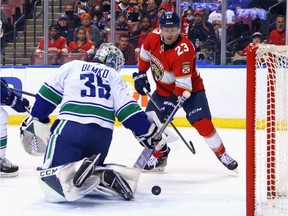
267,131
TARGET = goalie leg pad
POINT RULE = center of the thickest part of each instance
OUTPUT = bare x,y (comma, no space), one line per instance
128,179
130,174
57,182
84,172
50,185
113,180
75,172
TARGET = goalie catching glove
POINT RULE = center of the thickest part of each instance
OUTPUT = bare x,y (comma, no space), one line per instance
34,135
151,139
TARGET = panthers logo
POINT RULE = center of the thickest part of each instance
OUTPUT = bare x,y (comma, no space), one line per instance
157,68
158,74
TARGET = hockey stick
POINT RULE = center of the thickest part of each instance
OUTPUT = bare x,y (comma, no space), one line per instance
191,146
146,153
22,92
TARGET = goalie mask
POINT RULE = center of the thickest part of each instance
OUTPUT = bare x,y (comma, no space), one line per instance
110,55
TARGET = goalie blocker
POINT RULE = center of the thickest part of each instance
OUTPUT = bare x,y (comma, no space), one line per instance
73,181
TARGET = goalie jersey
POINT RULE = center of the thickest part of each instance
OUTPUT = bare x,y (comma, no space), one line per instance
90,92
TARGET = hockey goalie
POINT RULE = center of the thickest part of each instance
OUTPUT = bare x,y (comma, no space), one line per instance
90,95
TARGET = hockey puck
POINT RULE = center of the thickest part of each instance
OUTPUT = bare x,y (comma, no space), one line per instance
156,190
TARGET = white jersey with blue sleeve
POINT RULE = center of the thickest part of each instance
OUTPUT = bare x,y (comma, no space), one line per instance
88,93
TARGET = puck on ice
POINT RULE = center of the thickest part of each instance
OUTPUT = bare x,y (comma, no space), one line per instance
156,190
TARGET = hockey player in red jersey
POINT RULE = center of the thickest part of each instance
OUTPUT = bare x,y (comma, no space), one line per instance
171,58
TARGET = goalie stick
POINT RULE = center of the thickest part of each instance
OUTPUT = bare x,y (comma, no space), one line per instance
17,90
146,153
190,146
22,92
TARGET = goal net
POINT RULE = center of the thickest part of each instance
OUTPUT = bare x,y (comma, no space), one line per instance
267,131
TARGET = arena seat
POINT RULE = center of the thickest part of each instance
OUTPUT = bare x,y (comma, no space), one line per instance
38,59
9,11
67,57
117,35
17,3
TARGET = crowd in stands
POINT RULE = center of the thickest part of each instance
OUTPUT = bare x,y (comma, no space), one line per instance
86,24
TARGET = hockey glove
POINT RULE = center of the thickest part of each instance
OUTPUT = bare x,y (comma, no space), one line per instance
16,102
151,138
140,82
170,103
30,118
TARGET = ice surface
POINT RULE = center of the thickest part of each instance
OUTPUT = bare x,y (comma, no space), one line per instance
192,185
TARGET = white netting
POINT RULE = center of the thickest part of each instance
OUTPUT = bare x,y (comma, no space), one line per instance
271,138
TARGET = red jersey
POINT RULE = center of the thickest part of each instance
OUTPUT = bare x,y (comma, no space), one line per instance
59,43
74,46
173,66
276,37
141,39
184,27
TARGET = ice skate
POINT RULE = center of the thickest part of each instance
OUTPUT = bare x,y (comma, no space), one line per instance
113,180
157,164
7,169
229,162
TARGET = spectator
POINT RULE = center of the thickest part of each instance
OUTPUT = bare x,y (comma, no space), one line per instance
257,38
7,30
92,32
241,57
187,18
277,36
98,19
161,10
215,18
124,7
127,49
74,20
56,43
122,24
138,36
201,31
81,6
135,16
64,29
82,44
170,5
152,12
106,4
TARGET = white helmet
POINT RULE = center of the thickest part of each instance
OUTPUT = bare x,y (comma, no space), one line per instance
110,55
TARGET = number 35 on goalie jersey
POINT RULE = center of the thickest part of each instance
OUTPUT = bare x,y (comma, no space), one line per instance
88,93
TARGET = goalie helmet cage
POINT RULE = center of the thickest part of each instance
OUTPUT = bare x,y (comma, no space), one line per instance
267,131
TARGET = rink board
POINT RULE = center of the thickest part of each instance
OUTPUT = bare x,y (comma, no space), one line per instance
225,89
